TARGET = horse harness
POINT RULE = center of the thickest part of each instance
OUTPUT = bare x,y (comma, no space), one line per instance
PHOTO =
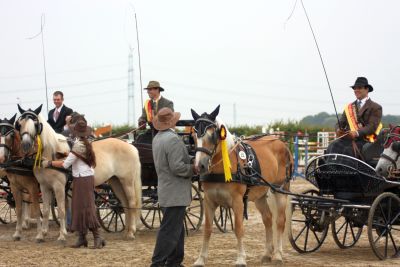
248,171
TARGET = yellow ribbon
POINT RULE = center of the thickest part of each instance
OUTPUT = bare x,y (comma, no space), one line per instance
38,158
225,155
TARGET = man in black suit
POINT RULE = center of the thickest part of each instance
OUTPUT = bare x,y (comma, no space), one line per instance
58,114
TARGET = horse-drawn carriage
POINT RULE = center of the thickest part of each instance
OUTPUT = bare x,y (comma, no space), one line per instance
110,210
348,195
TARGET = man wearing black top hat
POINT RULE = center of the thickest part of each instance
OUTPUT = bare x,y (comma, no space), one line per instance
360,121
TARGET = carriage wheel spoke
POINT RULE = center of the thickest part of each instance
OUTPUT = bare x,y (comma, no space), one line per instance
345,233
340,228
301,231
305,242
108,214
386,244
111,220
382,212
316,236
352,232
190,221
394,243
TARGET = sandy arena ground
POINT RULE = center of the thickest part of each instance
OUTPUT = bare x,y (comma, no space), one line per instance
119,252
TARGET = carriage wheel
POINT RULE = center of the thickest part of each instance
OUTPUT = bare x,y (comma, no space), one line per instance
307,231
345,233
384,226
223,219
7,208
110,212
151,214
194,212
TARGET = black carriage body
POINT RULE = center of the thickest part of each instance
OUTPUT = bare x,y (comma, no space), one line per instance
348,178
144,146
348,196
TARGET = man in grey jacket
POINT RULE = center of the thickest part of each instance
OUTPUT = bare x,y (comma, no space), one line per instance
174,172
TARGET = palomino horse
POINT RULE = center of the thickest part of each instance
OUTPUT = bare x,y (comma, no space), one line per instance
275,165
21,179
389,161
116,161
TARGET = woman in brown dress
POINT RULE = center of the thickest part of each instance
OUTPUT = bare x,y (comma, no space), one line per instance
83,160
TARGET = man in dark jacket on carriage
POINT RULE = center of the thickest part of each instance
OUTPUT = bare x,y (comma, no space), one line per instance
152,105
360,122
174,190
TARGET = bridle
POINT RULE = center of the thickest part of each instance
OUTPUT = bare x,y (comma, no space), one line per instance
34,117
200,127
391,139
7,133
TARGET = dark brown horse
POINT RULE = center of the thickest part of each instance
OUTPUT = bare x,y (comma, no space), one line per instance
21,179
275,165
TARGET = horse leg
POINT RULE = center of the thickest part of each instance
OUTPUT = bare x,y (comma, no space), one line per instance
280,201
238,208
209,210
133,211
120,193
35,206
262,206
59,191
25,214
43,226
18,210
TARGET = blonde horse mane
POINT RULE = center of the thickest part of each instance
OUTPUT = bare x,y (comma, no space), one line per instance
52,142
230,138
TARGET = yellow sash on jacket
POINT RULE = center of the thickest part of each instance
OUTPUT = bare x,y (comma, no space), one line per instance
149,110
351,115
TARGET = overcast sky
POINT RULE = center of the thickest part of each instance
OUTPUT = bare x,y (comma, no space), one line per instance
203,53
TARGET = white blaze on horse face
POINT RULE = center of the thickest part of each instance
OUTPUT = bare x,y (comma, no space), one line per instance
2,149
198,153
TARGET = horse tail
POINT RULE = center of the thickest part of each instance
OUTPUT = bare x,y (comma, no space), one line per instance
137,181
289,167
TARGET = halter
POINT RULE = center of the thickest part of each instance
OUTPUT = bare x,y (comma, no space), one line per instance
30,115
202,131
390,139
9,132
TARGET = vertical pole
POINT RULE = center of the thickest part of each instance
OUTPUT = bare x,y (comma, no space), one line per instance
44,63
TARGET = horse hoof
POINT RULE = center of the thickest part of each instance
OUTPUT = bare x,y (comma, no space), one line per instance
241,265
197,265
265,259
16,238
129,237
277,262
39,240
62,242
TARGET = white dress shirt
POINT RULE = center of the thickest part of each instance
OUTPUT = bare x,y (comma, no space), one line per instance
79,167
59,111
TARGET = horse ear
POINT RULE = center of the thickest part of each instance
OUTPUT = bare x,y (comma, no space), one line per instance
195,115
20,109
37,111
396,146
215,113
12,120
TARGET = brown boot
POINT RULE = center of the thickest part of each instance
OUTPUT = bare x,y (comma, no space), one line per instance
98,241
82,241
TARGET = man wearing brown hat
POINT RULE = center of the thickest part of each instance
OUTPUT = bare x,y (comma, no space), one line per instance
154,104
174,172
360,121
